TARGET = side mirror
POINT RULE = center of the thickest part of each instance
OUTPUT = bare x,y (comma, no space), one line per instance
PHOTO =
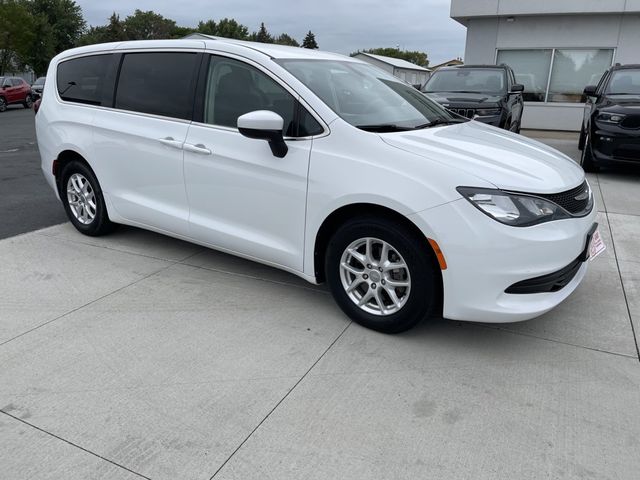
590,90
264,125
517,88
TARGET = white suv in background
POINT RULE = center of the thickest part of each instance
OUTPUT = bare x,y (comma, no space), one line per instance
320,165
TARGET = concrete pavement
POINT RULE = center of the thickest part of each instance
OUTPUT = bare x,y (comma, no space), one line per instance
139,356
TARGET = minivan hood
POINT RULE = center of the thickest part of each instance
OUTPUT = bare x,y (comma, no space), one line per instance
505,159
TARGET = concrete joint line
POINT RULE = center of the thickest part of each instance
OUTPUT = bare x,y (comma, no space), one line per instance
280,401
73,444
615,255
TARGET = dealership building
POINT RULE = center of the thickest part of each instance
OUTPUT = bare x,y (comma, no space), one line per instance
555,48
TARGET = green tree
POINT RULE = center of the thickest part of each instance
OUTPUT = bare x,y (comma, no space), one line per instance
310,41
262,35
148,26
419,58
229,28
208,28
65,19
16,34
284,39
111,32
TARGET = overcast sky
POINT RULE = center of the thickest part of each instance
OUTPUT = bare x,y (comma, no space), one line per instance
341,26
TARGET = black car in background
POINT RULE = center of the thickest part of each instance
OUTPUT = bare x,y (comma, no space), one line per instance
37,87
611,126
486,93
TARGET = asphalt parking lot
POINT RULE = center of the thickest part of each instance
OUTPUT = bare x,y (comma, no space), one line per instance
139,356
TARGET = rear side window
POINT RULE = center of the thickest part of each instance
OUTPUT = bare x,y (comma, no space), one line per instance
159,83
81,79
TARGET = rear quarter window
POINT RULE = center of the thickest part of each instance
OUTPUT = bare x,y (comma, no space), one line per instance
81,79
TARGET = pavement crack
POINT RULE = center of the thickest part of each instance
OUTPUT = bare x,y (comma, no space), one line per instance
615,256
281,400
74,444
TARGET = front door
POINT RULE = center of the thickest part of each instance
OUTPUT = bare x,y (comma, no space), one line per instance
242,198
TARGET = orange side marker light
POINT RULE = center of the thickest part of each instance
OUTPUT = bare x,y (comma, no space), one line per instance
439,255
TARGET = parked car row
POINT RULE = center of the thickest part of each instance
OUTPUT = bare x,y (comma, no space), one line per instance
16,91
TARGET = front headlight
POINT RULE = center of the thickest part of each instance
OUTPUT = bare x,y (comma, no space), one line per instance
518,210
488,112
610,117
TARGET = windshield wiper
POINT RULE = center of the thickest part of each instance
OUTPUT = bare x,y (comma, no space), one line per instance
441,121
383,127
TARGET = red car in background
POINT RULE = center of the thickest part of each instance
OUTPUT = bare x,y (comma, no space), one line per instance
14,90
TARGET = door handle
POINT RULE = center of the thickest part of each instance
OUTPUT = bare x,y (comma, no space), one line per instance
171,142
198,148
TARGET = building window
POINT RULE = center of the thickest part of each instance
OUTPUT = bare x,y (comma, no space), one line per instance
531,68
557,75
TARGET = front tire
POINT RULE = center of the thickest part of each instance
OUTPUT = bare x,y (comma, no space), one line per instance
83,200
586,159
3,104
381,274
28,102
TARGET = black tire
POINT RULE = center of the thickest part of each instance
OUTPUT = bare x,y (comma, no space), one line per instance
424,292
100,224
3,104
586,159
28,102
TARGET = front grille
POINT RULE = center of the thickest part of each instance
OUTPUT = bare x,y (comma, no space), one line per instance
465,112
631,121
568,200
552,282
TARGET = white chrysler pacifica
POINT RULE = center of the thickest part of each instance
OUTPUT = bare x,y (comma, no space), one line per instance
320,165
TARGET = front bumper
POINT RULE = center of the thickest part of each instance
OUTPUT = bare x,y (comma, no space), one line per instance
485,258
616,144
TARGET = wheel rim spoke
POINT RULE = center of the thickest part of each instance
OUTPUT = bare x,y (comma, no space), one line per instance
81,199
375,276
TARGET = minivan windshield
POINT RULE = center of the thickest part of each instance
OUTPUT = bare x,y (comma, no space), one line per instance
467,80
624,82
368,97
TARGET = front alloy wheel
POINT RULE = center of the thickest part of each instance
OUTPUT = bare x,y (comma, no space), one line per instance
3,104
375,276
382,273
28,102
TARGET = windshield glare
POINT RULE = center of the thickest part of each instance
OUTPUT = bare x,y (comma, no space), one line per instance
624,82
366,96
467,80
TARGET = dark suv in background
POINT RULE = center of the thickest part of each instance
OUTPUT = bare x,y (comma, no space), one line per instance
611,126
486,93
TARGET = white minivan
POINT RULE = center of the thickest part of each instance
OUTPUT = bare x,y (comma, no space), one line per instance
320,165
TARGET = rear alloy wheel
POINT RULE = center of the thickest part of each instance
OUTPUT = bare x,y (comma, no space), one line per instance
28,102
381,274
3,104
83,201
586,159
